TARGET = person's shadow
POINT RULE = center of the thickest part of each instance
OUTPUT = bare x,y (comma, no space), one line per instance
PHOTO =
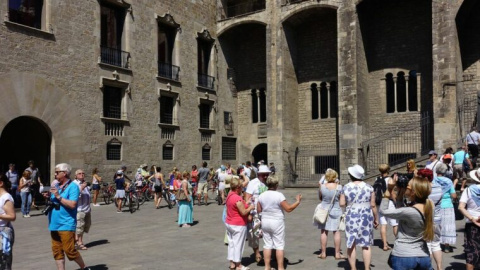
98,267
97,243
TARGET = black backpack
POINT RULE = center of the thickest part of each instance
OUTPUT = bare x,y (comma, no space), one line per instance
379,187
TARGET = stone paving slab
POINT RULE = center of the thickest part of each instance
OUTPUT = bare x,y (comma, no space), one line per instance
151,239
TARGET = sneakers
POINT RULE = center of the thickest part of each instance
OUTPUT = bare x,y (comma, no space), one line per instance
26,216
96,204
119,212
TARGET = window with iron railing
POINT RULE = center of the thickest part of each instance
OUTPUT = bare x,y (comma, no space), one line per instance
112,102
204,50
206,152
229,148
111,32
167,152
322,163
168,133
113,129
26,12
114,151
206,81
166,43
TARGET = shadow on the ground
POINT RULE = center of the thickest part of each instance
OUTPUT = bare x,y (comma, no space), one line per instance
330,252
195,222
97,243
459,256
455,266
286,262
358,264
98,267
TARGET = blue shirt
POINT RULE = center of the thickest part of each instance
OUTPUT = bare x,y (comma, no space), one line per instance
458,156
64,219
120,183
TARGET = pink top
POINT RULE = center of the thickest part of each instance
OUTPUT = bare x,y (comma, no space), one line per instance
233,215
177,183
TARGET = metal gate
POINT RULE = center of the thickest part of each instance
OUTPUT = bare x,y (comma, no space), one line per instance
307,164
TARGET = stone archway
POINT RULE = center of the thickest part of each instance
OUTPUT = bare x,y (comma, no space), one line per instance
260,152
23,139
42,103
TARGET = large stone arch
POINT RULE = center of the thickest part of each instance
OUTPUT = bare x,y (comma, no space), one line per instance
24,94
230,24
305,6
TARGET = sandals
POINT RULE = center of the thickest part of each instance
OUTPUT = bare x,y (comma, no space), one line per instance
243,267
323,257
258,259
341,257
386,248
81,247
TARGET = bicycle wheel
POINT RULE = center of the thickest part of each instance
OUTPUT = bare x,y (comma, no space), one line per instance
136,201
211,194
107,198
131,203
141,198
219,198
149,194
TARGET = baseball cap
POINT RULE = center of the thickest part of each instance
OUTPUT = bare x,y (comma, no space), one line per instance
432,152
120,172
447,156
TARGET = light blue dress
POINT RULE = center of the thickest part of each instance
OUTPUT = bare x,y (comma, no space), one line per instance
359,217
185,208
333,219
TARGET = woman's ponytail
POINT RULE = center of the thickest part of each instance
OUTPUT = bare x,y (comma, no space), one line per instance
428,232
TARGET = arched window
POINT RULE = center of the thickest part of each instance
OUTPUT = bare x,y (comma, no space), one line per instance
323,100
333,100
390,84
401,92
254,106
314,90
412,91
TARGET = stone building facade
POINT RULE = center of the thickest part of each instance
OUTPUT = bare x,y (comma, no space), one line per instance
304,84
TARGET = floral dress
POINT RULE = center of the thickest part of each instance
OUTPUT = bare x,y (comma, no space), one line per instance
359,218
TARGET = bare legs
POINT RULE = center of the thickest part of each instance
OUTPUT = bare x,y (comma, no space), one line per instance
61,263
437,256
323,242
267,253
352,256
157,199
337,240
95,195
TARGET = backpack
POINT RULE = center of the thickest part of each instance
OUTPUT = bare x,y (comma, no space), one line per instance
379,187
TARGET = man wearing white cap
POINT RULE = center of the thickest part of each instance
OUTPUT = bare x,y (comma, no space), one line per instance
254,189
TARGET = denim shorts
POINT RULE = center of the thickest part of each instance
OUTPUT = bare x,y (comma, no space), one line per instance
411,263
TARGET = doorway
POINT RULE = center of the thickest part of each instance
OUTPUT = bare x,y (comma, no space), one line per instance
260,152
26,138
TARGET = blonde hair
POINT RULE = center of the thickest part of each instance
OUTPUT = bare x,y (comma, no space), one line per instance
331,175
421,189
26,174
272,182
235,183
411,162
384,168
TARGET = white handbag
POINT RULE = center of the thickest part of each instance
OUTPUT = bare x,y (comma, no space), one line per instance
321,215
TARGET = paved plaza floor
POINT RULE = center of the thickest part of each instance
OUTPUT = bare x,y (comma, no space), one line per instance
151,239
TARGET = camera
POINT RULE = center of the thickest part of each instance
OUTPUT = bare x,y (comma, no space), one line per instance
49,206
88,184
402,181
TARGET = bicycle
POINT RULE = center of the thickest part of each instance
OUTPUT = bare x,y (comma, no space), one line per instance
167,196
145,193
212,192
108,192
131,199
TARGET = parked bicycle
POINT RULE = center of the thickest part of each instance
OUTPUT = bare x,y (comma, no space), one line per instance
145,193
108,192
212,192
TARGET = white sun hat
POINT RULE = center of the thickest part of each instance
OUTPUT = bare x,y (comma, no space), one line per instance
475,175
263,169
356,171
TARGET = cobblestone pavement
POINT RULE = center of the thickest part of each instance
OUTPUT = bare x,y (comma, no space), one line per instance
151,239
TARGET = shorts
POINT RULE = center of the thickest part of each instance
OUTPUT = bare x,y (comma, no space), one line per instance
434,245
157,189
96,186
221,186
63,243
458,172
385,220
84,221
202,188
120,194
273,234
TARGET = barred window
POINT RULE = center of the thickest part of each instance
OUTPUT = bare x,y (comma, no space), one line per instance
322,163
112,102
167,151
226,118
205,115
167,105
114,149
399,158
206,152
229,148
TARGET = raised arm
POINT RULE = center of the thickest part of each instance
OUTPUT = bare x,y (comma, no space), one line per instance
290,207
242,210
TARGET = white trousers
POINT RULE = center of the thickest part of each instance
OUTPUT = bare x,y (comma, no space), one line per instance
273,233
236,242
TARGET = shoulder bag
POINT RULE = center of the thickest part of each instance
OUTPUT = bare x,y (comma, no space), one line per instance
342,224
321,215
180,194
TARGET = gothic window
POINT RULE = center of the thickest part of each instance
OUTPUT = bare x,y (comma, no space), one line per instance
205,110
204,50
111,33
401,92
324,100
227,118
314,101
26,12
166,43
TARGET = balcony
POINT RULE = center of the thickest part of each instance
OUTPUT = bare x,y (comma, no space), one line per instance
247,7
206,81
114,57
169,71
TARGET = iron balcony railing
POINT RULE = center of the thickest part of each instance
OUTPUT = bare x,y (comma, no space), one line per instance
206,81
245,8
167,118
169,71
114,57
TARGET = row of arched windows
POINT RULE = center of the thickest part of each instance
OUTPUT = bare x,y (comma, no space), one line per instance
402,92
324,100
